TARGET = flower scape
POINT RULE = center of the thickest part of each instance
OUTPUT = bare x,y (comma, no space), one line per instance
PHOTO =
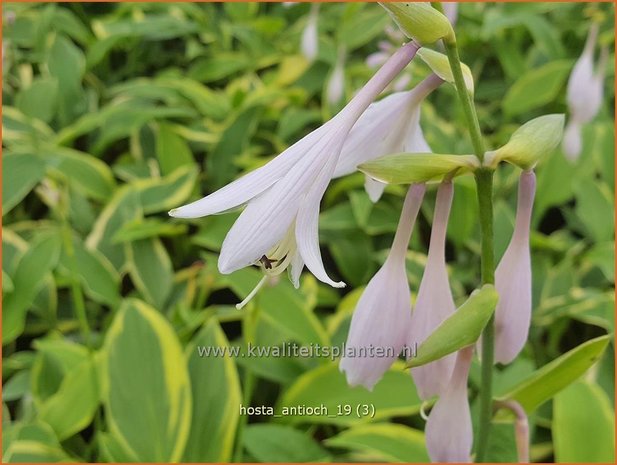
411,199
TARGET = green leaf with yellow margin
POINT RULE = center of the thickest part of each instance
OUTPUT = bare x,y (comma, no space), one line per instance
394,395
147,395
386,442
216,399
543,384
150,269
72,407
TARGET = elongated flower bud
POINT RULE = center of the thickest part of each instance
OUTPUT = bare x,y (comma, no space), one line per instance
310,38
584,95
335,89
513,279
434,303
382,317
449,435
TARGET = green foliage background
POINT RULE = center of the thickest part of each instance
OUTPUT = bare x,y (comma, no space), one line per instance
115,113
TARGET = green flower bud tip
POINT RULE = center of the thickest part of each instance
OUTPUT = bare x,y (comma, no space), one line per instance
438,62
530,142
409,168
420,21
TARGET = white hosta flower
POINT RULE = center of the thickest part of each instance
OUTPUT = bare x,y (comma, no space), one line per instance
389,126
382,316
285,193
513,279
434,303
584,94
310,38
449,434
335,88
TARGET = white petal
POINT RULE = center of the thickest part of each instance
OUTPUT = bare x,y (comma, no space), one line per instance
381,320
415,141
373,188
250,185
307,222
374,132
388,126
449,435
266,219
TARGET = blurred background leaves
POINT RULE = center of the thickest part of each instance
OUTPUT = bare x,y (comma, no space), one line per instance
115,113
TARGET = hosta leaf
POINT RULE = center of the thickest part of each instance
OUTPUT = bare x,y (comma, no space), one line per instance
87,173
146,397
40,258
394,395
123,207
544,383
151,271
157,195
147,228
384,441
21,172
216,397
72,407
583,424
278,443
536,87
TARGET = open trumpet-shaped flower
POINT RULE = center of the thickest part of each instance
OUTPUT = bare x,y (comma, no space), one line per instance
584,95
434,303
285,193
382,317
389,126
449,435
513,279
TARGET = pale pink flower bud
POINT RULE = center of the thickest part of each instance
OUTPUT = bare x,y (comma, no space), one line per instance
383,313
584,94
310,38
434,303
335,89
449,434
513,279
